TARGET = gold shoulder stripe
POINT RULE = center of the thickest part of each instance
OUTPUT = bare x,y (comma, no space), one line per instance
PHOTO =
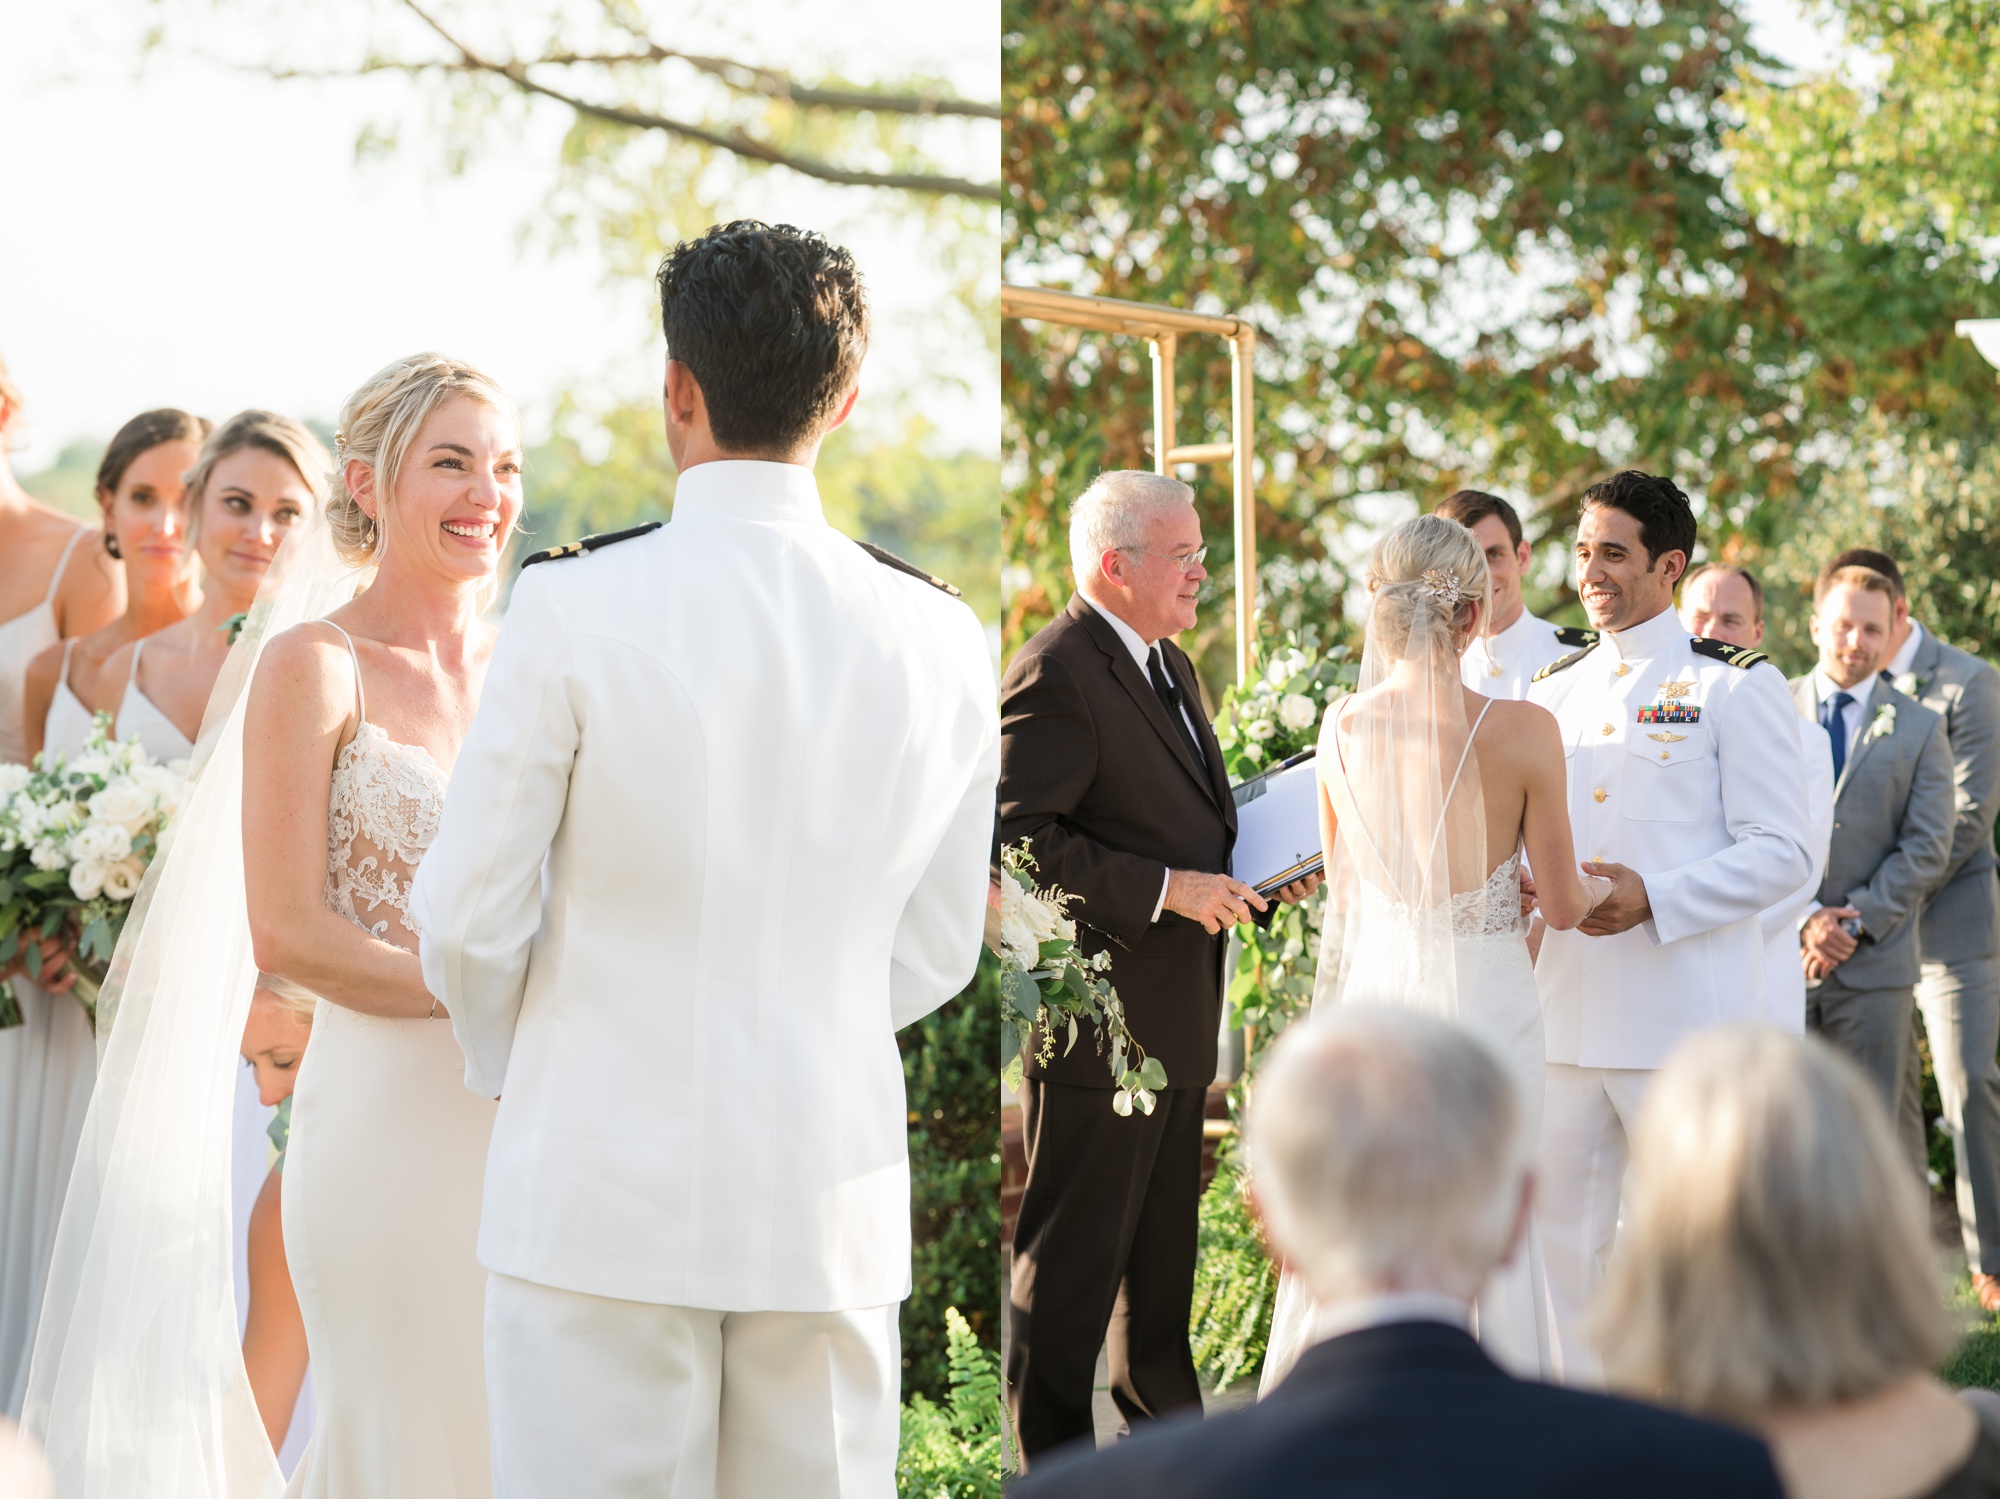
910,569
1564,663
589,544
1721,650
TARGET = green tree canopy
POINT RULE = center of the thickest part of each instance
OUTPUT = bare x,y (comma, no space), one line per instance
1493,244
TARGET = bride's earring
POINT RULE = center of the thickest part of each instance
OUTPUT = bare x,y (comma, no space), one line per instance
111,546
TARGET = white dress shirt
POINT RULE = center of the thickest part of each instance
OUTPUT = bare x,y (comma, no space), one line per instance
1334,1319
1503,665
1899,665
1854,715
720,828
1142,652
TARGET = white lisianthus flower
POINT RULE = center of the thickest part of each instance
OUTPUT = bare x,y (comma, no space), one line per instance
94,763
1260,729
123,803
1252,751
86,877
1297,711
1284,666
100,843
121,880
47,854
13,778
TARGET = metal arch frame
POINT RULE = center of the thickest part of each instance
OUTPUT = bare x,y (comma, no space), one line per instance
1161,327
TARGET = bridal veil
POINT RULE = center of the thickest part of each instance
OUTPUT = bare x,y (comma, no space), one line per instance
137,1385
1402,814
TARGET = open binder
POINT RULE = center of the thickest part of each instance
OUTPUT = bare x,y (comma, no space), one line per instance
1277,825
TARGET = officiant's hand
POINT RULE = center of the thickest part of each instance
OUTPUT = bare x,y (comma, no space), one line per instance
1298,890
1214,900
1624,908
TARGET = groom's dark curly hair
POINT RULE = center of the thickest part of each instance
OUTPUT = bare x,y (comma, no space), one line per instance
1666,519
772,322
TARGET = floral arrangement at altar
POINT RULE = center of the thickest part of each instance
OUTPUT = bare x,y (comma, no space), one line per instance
1048,984
76,837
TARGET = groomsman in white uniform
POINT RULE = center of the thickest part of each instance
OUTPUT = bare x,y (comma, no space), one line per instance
720,828
1516,645
1726,603
1686,789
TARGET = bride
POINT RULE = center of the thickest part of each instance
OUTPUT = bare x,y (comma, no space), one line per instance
315,791
1423,783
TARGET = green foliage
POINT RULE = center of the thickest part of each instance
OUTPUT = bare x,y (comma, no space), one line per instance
70,483
954,1116
1235,1285
1489,244
606,469
955,1450
1912,151
1976,1360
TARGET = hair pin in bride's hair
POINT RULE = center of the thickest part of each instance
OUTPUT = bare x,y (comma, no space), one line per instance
1444,587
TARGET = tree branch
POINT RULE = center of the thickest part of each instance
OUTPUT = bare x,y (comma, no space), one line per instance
735,141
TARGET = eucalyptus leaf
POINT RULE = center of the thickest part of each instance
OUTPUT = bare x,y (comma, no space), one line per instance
1152,1074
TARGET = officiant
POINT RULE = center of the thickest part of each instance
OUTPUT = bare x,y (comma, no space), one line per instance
1110,769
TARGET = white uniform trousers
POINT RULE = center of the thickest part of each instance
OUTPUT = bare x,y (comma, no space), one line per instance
1587,1115
607,1399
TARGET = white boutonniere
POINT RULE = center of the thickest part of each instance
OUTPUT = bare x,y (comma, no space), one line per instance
1884,722
1909,684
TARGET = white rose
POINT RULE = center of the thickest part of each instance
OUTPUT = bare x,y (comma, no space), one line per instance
100,843
121,880
1260,729
13,778
1017,938
1252,751
95,764
86,878
46,854
123,803
1297,711
1046,920
1284,666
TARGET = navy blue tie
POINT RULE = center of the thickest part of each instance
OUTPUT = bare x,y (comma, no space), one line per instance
1830,719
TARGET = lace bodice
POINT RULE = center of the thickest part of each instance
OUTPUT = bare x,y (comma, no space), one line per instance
387,798
1493,910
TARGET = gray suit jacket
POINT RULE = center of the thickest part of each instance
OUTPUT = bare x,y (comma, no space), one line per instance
1962,920
1892,823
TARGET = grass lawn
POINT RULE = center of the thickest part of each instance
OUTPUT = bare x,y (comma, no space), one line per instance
1977,1359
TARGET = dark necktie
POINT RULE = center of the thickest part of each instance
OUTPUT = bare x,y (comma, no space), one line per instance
1170,694
1832,720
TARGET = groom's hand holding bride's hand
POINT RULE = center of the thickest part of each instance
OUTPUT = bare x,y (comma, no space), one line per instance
1215,900
1623,908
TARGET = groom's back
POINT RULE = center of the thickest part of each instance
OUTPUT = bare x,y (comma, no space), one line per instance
774,734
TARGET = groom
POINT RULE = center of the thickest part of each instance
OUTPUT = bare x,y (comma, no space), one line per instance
720,828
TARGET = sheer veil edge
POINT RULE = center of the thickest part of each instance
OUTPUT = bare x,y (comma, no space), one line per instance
137,1384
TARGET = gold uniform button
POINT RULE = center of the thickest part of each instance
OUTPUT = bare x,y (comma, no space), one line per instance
1623,670
1664,755
1607,728
1598,795
1496,671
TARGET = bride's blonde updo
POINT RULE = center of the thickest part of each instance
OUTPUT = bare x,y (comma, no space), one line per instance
377,426
1429,569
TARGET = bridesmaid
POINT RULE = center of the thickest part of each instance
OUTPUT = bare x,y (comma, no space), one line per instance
257,474
140,491
54,582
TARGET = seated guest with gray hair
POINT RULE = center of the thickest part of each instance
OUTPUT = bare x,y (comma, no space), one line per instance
1392,1177
1776,1272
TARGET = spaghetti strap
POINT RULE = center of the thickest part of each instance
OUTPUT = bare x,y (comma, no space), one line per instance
360,696
62,566
1340,759
1466,753
132,680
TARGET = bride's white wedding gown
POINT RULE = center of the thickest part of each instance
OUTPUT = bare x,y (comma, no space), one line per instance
382,1181
1497,1000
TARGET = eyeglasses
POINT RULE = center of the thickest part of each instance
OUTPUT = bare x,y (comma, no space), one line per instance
1186,561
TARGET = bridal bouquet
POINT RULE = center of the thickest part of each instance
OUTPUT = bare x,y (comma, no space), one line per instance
75,839
1048,984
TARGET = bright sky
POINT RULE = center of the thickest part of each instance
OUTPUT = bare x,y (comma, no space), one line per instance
176,232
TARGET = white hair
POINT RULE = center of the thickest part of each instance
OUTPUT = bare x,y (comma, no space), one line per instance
1117,511
1387,1151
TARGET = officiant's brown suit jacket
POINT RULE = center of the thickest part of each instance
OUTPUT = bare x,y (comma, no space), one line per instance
1094,774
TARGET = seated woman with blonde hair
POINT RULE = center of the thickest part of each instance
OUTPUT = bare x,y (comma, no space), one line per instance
1775,1272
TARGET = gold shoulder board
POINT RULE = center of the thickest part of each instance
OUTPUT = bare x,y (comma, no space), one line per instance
890,559
1721,650
1563,663
589,544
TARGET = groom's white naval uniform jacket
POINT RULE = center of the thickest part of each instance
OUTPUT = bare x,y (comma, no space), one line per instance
720,828
1684,763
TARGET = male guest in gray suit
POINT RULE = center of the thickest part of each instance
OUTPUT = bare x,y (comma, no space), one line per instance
1892,820
1959,993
